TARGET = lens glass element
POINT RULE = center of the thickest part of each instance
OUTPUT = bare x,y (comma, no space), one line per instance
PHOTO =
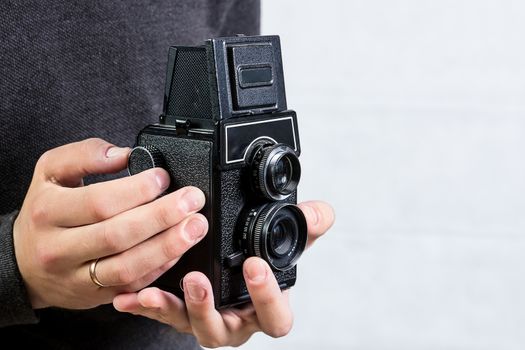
276,233
276,171
282,174
283,234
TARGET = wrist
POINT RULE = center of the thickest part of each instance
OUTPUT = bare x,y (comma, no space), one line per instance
25,272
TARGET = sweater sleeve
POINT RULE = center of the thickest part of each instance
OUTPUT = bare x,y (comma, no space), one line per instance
15,307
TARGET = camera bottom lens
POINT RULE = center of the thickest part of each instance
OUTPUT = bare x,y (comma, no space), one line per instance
275,232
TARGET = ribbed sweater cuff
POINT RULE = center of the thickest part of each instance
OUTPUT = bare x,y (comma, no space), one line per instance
15,307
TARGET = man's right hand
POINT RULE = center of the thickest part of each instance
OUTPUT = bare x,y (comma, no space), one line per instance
63,226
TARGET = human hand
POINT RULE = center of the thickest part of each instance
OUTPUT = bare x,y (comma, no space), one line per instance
63,226
269,310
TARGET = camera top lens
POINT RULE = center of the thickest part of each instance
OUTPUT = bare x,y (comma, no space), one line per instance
275,232
276,171
281,173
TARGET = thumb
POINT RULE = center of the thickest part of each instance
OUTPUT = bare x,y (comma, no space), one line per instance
68,164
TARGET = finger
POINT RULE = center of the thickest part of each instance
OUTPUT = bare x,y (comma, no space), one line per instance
206,322
156,304
127,302
271,305
101,201
169,309
241,321
152,254
319,216
128,229
68,164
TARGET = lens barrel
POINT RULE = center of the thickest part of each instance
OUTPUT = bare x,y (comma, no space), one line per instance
275,232
276,171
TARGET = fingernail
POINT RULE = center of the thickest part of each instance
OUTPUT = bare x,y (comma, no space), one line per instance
194,199
195,229
256,271
163,180
195,292
114,152
311,215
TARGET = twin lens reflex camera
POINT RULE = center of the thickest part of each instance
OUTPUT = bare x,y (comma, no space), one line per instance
226,129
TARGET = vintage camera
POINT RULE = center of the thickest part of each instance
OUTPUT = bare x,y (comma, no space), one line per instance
225,129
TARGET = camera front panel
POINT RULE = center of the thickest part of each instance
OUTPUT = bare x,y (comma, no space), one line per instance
236,199
239,195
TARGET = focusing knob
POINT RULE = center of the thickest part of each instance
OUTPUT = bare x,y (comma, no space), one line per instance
143,158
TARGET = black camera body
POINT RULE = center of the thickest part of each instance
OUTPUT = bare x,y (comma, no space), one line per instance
226,129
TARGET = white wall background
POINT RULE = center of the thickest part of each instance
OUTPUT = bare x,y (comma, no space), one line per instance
412,122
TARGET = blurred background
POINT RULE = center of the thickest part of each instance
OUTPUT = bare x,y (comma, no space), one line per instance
412,123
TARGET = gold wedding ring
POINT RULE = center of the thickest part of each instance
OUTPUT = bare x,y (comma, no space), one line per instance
93,274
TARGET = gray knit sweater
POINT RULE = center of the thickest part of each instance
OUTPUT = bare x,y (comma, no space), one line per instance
71,70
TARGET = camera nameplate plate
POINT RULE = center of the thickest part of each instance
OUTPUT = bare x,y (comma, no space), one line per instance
239,137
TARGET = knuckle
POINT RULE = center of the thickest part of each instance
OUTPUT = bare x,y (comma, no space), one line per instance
92,146
43,160
39,213
101,212
180,209
171,250
125,274
162,216
148,188
40,210
92,143
99,209
180,204
266,299
46,257
111,238
132,228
